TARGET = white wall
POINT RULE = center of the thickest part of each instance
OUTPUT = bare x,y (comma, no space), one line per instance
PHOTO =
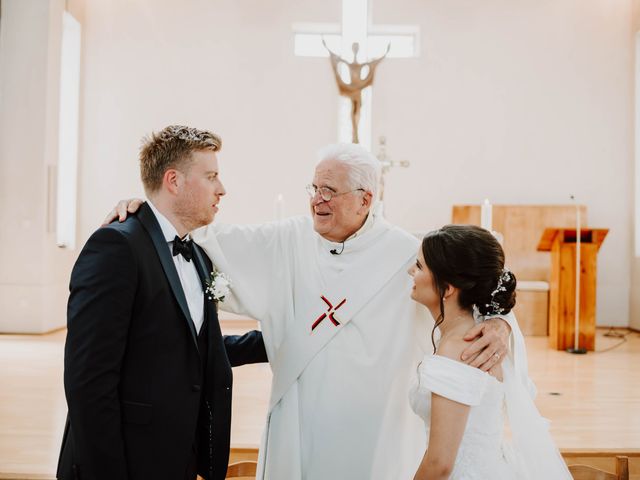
34,273
226,66
521,102
634,316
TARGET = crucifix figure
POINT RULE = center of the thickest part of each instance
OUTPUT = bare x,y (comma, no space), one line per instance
360,77
400,41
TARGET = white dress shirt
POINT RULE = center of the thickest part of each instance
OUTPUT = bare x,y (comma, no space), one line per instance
191,283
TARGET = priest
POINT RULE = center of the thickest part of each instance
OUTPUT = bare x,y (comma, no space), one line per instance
343,336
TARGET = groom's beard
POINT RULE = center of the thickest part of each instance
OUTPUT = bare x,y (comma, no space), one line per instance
193,212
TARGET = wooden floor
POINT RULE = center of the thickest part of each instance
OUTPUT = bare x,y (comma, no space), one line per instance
592,400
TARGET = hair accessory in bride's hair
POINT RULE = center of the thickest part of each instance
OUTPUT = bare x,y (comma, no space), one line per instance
495,307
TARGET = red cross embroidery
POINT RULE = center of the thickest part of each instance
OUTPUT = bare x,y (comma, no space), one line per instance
330,311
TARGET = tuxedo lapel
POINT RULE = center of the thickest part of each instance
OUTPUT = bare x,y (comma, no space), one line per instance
203,268
150,223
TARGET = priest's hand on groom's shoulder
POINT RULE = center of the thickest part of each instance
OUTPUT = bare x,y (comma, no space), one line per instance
122,208
490,344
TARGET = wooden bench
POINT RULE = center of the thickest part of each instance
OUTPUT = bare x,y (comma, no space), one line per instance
586,472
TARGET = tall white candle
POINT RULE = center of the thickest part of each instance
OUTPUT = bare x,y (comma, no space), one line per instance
486,212
279,207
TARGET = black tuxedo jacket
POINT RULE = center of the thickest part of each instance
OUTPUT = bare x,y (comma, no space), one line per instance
138,388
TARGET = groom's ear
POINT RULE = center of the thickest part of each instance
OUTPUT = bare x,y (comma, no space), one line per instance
170,180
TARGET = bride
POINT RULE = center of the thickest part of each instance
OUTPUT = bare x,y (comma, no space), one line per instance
459,276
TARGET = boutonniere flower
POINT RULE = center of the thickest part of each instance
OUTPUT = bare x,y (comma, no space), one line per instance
218,286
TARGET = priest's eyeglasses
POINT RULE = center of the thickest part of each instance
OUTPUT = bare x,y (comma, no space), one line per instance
326,194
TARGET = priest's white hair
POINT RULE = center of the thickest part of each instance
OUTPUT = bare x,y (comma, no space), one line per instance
364,167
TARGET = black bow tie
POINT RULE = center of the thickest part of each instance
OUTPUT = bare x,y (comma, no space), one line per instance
182,247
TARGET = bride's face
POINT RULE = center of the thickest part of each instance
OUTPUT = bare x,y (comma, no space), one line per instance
424,289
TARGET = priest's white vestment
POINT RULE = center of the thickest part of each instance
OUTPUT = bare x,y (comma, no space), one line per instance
343,338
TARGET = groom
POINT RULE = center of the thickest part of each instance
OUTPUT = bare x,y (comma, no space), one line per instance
147,371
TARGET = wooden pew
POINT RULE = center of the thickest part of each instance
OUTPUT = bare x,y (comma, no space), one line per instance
584,472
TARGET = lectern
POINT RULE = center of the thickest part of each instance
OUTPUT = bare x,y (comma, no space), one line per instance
562,289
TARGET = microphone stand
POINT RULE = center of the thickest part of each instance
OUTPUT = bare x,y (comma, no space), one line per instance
576,348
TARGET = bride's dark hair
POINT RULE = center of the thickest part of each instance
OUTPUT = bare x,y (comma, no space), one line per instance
470,259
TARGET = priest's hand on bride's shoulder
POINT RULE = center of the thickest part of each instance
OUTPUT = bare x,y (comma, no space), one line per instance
490,344
122,208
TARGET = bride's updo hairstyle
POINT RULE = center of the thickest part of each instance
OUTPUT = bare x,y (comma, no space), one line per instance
470,259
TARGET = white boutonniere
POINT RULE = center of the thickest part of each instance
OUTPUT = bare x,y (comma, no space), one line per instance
218,286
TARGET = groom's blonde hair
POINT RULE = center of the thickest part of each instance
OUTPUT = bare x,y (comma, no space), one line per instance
171,148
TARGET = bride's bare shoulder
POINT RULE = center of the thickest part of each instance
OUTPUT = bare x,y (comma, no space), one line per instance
452,348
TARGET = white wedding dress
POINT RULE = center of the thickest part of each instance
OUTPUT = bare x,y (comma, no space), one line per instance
484,451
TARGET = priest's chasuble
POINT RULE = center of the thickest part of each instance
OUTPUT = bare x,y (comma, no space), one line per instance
343,338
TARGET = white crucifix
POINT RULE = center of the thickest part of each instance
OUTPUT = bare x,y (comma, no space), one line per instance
373,41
